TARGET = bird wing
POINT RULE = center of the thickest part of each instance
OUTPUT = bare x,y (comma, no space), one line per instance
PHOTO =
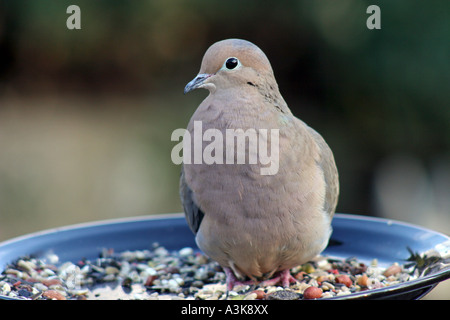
330,173
192,212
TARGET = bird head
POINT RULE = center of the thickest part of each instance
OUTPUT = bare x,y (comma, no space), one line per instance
231,62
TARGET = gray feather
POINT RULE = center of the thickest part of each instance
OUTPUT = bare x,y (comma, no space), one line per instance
194,215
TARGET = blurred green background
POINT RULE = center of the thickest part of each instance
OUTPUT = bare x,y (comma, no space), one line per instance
86,115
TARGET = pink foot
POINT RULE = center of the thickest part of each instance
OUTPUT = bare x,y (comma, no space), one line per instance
284,277
233,281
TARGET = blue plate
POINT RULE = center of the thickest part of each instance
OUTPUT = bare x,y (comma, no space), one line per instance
353,236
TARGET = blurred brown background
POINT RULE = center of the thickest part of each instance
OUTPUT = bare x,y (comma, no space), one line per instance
86,115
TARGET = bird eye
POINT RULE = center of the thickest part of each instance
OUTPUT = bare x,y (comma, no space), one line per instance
231,63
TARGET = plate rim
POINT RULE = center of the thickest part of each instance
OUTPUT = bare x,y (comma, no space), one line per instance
96,223
422,282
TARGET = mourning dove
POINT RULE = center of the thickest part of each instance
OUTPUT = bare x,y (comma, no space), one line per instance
256,226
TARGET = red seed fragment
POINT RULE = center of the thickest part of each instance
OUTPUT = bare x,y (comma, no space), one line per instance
392,270
149,281
333,271
51,282
344,279
312,293
363,280
300,275
260,294
53,294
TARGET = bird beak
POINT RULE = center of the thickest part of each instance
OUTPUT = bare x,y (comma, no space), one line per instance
196,82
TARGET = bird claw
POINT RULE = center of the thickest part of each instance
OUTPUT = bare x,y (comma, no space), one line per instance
284,278
233,281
